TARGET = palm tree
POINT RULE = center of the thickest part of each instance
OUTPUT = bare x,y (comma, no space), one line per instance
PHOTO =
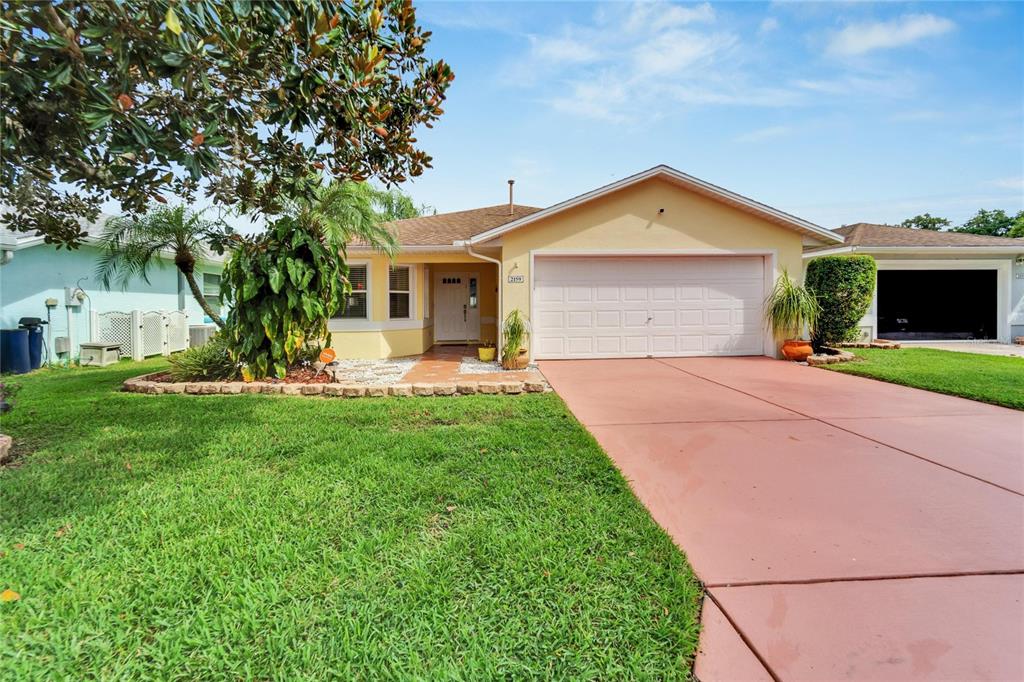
129,245
347,212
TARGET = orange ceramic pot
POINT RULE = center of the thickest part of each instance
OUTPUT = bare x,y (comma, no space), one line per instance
521,361
797,350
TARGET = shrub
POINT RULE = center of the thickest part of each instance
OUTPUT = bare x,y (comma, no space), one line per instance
209,362
843,286
283,286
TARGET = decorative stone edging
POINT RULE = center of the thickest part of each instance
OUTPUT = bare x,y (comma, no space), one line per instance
145,384
877,343
836,356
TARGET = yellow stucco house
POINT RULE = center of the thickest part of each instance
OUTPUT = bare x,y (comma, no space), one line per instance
657,264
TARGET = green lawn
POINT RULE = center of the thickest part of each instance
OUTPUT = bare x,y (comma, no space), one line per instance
208,537
988,378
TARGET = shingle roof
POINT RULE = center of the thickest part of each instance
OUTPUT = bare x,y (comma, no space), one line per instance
869,234
445,228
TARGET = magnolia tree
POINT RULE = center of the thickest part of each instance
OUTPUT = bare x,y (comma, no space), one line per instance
138,100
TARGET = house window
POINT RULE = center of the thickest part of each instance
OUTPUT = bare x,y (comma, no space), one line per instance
211,292
355,305
399,293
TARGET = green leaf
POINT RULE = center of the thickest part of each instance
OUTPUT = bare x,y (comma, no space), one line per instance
62,76
281,370
294,270
249,289
242,8
173,58
172,22
276,280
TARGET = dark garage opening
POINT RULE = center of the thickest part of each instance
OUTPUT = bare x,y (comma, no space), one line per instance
936,304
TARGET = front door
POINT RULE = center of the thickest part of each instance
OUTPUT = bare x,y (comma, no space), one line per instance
456,306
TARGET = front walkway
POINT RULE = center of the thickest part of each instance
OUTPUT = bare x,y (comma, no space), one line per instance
446,364
844,528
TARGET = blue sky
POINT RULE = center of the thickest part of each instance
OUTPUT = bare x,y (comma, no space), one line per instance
837,112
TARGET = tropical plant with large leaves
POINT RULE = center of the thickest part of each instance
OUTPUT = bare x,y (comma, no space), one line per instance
141,100
130,246
286,283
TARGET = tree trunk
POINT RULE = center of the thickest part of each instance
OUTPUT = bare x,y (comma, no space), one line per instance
197,294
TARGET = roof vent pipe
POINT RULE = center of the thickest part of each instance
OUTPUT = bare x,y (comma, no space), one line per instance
510,209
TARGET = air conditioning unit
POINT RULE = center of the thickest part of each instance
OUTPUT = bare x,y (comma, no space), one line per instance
199,334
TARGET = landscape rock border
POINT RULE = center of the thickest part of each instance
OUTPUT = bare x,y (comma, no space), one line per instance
146,384
831,357
877,343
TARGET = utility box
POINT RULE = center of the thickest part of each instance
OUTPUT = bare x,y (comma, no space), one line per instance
99,354
61,345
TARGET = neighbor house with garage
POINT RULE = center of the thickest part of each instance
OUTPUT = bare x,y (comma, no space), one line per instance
938,286
657,264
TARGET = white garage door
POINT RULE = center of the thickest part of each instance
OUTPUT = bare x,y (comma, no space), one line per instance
637,307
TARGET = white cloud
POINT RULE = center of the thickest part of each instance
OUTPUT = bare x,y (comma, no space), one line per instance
641,60
1009,183
768,24
769,133
858,39
563,49
677,50
895,85
657,16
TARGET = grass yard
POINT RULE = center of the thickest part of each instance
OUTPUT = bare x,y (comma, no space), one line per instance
988,378
209,537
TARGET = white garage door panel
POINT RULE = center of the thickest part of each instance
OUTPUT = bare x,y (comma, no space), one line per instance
630,307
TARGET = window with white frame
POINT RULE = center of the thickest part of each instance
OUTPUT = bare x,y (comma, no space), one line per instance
211,291
400,292
355,305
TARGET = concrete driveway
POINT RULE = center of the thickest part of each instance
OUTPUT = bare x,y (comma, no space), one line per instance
845,528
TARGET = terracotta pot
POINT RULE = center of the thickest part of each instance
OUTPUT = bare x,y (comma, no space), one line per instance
486,354
520,361
797,350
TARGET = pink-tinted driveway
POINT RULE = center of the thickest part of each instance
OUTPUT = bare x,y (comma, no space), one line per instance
845,528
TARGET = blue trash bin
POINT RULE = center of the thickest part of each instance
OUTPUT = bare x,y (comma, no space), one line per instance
35,347
14,356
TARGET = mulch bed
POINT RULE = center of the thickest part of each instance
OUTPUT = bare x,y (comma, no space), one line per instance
296,375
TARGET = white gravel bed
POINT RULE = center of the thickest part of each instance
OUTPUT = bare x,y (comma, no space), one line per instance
377,372
471,365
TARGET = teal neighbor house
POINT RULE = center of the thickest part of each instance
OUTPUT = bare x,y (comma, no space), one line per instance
38,280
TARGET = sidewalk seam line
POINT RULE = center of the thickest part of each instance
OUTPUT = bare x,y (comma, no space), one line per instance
743,636
867,578
853,433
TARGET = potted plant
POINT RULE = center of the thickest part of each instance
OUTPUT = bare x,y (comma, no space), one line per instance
515,331
788,309
486,351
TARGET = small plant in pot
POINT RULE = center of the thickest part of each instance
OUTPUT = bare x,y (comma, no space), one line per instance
789,309
486,351
514,333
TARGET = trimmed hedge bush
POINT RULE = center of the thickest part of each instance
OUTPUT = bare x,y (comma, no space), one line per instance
843,286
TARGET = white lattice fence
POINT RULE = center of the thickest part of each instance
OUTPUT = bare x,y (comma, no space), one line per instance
114,327
177,330
142,334
152,333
